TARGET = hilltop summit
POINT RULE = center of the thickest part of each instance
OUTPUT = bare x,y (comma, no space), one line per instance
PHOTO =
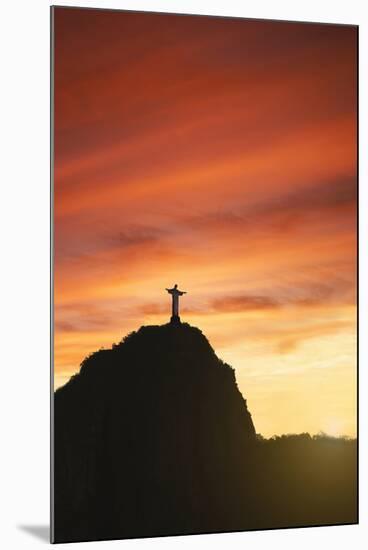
150,439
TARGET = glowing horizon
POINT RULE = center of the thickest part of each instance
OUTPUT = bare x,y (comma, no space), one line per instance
219,154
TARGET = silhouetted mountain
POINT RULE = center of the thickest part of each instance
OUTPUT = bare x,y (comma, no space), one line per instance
153,437
150,439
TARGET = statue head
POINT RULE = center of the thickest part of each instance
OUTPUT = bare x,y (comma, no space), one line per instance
175,286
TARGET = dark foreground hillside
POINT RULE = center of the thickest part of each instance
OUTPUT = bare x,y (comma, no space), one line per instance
303,480
153,437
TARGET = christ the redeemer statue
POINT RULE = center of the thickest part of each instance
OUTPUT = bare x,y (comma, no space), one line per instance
175,293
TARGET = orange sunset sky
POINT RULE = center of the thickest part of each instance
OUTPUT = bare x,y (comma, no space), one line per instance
219,154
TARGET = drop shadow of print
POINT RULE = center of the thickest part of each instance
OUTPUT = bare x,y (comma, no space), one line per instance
41,532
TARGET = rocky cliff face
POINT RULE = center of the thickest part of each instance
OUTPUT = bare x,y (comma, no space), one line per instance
150,439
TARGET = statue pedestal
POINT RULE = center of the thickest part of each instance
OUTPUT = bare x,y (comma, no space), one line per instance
175,320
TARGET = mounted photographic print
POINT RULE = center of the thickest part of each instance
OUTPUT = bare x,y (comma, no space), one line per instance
204,178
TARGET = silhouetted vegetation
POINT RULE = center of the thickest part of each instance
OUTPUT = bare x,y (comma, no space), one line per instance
303,480
153,437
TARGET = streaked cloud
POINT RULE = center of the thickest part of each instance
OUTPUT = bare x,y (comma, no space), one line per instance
221,155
